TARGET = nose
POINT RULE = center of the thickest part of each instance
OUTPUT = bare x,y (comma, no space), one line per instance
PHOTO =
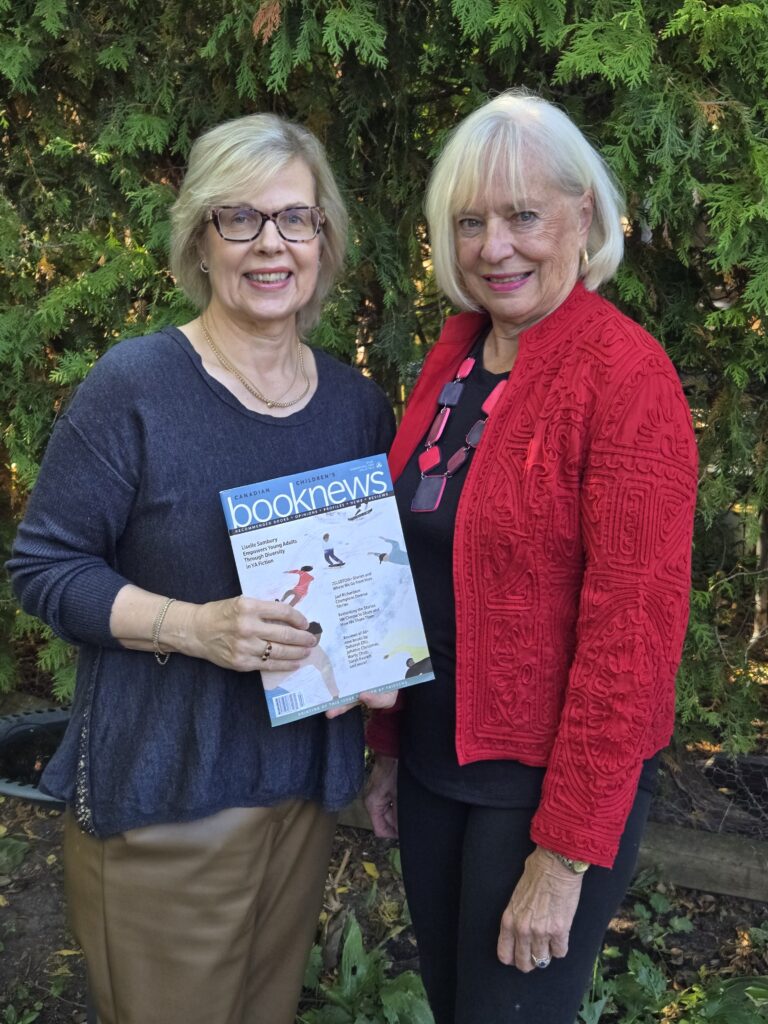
498,240
269,238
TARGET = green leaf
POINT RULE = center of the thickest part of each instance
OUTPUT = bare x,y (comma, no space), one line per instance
314,968
354,25
12,853
681,924
473,16
659,902
52,14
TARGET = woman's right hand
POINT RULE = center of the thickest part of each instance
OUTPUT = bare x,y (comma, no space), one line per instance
381,797
235,634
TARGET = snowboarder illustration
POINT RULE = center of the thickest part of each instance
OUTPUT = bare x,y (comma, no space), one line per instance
328,553
361,509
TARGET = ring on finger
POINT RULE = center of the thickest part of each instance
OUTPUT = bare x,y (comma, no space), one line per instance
541,961
267,651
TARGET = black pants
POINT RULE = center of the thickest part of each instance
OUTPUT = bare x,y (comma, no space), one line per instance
461,863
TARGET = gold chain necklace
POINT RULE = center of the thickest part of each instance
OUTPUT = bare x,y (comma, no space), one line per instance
251,388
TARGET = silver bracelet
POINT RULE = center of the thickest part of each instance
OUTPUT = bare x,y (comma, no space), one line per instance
161,656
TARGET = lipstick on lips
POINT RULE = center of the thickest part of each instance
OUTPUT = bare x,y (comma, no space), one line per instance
506,282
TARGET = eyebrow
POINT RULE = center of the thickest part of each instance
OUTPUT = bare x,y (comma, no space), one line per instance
526,203
249,206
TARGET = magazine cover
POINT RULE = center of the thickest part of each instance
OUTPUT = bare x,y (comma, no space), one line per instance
329,542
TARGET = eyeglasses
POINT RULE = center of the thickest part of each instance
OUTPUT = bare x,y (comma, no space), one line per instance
244,224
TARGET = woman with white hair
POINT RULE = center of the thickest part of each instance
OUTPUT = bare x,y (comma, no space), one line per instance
197,838
546,477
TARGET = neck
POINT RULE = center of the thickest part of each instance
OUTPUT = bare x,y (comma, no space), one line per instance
500,349
501,345
264,348
271,379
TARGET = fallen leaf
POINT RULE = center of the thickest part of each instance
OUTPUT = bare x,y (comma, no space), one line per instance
3,901
370,868
12,853
67,952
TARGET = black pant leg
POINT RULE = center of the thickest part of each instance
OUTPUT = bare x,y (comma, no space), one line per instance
460,865
431,838
488,992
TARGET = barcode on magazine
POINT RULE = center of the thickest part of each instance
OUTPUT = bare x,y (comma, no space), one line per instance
286,704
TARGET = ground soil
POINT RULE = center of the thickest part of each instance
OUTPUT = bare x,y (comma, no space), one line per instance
42,972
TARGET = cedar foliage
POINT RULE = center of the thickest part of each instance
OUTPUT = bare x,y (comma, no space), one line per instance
100,100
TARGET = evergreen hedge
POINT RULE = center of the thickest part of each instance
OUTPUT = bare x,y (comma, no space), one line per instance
101,99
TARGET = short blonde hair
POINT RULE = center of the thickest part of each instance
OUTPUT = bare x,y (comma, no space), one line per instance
244,154
493,141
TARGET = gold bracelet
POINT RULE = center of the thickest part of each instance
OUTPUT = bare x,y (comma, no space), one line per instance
161,656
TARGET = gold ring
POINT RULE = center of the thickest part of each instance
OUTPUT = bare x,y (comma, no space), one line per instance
267,651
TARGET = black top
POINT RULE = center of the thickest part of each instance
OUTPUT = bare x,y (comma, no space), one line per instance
427,742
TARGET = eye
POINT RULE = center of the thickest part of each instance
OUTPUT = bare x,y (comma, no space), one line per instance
469,227
239,216
243,216
525,217
295,217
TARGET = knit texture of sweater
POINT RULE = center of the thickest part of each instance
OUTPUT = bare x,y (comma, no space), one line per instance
128,492
571,563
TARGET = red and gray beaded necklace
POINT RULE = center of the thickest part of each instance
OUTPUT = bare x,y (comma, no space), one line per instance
429,492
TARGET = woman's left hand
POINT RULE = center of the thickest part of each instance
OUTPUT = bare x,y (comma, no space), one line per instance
538,918
379,701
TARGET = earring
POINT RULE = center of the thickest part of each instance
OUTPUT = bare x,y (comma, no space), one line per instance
204,266
583,263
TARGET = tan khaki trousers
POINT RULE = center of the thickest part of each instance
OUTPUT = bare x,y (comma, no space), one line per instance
208,922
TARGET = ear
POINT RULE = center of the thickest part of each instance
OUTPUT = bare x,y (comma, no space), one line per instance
586,210
202,257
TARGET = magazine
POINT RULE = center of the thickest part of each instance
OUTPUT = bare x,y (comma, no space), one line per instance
329,542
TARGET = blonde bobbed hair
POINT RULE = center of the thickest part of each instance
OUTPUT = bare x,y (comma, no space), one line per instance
491,145
246,155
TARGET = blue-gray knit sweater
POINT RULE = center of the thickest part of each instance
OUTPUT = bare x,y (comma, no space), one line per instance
128,492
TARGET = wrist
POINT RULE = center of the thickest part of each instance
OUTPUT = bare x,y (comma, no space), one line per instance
177,634
575,866
162,654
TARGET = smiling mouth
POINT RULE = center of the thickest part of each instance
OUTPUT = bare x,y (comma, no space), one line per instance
507,278
269,277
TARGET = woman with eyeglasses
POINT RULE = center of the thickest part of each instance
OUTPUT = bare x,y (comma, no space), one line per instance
546,478
198,837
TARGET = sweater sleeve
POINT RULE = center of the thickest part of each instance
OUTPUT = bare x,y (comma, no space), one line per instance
637,501
64,560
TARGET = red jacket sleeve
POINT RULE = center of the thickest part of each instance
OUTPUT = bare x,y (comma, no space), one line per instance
637,501
382,733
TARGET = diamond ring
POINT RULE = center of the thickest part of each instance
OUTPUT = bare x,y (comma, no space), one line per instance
541,961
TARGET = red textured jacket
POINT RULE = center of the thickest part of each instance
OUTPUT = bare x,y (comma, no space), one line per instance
571,563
